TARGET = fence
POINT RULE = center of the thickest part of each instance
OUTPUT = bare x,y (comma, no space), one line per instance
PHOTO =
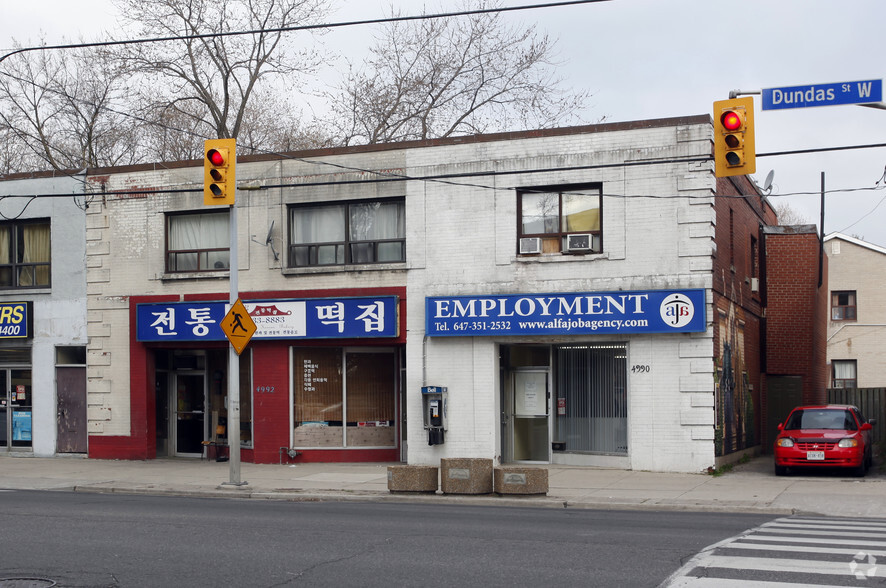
871,402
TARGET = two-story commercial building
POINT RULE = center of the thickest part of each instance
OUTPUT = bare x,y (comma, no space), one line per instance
590,295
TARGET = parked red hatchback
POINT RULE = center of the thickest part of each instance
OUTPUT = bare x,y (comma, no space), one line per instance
833,435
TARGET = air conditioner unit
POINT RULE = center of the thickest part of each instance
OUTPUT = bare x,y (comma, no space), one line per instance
579,243
755,284
530,245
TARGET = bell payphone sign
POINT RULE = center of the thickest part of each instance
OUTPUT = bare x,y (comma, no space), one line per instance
581,313
15,320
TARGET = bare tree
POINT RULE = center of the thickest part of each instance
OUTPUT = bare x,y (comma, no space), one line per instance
788,216
211,80
440,77
59,110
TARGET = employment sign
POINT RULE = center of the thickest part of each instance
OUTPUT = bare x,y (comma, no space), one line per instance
584,313
860,92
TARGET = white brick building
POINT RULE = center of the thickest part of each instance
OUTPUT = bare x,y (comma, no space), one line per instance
42,315
558,284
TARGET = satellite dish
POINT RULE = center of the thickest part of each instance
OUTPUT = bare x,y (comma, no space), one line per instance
271,230
767,184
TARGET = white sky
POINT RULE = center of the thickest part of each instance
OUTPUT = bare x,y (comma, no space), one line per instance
660,58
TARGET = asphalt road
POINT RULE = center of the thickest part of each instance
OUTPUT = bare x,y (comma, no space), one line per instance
113,540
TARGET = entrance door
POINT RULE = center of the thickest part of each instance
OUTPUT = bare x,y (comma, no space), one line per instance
71,386
15,409
530,423
190,408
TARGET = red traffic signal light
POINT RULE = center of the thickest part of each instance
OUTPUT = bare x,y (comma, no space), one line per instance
219,164
734,149
215,157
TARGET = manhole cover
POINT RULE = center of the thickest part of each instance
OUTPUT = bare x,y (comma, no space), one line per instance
26,583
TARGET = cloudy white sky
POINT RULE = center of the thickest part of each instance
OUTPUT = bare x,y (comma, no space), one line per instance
661,58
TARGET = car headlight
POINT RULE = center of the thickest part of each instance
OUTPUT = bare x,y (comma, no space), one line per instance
848,442
785,442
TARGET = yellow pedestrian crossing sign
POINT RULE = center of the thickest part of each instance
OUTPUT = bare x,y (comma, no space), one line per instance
238,326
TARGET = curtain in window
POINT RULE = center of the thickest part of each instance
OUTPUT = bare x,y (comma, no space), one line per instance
35,249
581,212
197,232
377,221
318,224
5,252
844,370
370,399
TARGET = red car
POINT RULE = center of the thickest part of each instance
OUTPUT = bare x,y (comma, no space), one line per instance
832,435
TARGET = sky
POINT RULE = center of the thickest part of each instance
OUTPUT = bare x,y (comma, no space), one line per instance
648,59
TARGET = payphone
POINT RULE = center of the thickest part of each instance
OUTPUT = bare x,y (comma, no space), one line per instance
434,405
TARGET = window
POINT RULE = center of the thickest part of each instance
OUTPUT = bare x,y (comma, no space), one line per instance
344,397
560,218
347,233
843,306
198,242
844,375
24,254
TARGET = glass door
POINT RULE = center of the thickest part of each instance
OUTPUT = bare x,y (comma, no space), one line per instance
531,425
190,408
15,409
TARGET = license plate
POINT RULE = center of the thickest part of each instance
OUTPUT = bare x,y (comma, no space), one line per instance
814,455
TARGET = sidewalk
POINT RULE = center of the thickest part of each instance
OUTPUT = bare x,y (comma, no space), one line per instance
750,487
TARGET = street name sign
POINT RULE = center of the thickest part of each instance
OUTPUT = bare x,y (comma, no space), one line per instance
860,92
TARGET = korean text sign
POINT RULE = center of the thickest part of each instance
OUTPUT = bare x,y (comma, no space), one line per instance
312,318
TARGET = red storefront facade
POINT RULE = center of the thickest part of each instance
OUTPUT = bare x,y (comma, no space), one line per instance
289,412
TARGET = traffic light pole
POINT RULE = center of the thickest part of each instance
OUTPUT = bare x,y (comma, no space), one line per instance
234,368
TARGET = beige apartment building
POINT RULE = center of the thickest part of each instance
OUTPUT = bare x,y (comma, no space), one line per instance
857,320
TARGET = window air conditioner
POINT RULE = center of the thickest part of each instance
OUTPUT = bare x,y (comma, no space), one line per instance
530,245
579,243
755,284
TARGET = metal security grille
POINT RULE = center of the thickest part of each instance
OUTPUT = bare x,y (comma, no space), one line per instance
592,398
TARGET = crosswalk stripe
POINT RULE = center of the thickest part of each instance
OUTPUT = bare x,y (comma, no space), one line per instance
802,549
828,541
836,549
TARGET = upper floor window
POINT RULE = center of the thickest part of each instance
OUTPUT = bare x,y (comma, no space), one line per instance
843,306
198,242
346,233
25,254
844,373
565,219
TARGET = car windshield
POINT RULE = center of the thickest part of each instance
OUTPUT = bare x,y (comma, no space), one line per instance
821,419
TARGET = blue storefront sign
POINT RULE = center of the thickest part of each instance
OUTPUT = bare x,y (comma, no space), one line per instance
584,313
15,320
310,318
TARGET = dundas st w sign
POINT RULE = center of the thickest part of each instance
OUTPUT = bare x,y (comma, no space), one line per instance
599,313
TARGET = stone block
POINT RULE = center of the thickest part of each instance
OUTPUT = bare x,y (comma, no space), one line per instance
520,480
413,478
466,476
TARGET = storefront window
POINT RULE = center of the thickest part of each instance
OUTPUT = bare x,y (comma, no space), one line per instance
344,398
592,404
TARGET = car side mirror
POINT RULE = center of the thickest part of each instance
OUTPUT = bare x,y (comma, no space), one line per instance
867,426
781,426
872,421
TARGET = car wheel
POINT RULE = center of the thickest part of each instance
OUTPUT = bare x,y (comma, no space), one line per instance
781,470
861,470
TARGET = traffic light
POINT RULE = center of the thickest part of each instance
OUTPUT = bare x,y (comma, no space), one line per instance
219,162
734,150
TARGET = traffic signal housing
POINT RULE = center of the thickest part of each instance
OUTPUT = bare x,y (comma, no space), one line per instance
734,149
219,164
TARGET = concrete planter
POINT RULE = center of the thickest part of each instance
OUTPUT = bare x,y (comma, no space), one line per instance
466,475
413,478
520,480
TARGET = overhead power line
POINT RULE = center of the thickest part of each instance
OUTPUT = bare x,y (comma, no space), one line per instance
301,27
